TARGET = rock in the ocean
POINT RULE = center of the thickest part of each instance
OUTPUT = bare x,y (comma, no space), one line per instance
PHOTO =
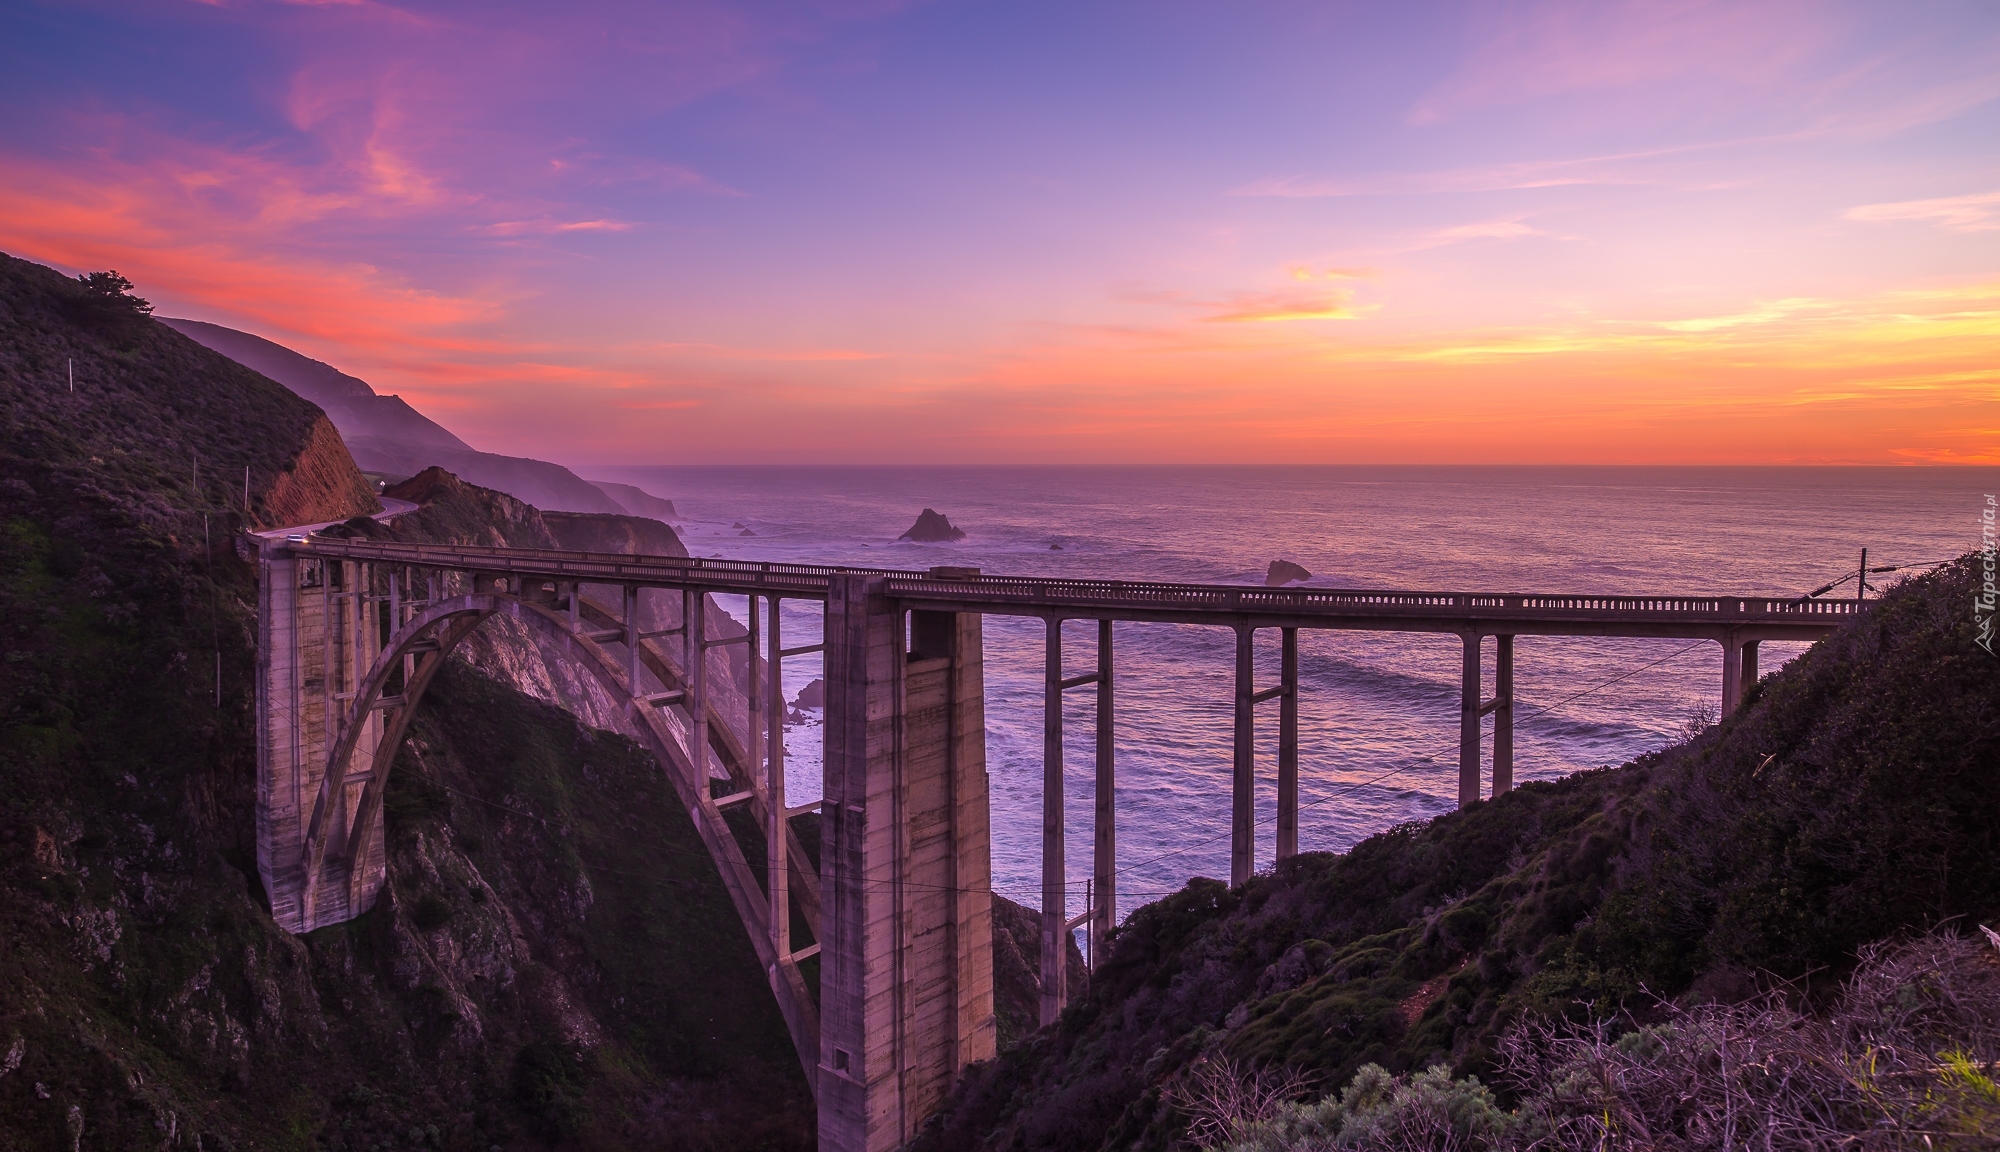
1055,547
812,695
1284,572
746,532
932,528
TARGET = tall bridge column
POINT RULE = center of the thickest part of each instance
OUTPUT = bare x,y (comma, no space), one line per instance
1055,867
1104,855
1503,714
1243,770
1468,723
1732,673
1288,744
906,978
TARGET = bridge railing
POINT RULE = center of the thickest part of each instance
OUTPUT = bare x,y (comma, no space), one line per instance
1222,598
1061,594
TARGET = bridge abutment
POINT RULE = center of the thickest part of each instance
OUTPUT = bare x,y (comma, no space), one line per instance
906,984
318,636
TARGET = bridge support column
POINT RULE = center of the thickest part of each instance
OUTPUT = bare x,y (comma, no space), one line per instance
1288,745
1732,674
1503,714
1746,677
1104,854
1243,774
1055,888
906,980
1468,723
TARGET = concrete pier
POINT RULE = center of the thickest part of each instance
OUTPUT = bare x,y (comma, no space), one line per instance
906,985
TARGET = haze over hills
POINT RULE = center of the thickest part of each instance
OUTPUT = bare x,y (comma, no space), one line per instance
385,434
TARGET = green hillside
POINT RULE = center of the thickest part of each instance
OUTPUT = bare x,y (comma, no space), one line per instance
1856,796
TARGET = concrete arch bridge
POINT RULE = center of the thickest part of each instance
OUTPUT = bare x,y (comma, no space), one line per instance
351,633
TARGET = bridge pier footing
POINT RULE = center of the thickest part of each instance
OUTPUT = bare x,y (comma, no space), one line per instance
906,976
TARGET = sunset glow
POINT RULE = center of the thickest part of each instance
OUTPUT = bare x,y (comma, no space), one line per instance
874,231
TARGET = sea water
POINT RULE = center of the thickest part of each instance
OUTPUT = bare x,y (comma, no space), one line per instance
1378,711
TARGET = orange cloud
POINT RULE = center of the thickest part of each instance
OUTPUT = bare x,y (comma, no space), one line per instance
1269,307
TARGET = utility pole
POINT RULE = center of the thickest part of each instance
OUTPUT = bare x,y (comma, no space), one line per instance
1861,581
246,491
72,375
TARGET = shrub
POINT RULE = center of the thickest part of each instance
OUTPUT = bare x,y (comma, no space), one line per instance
1907,1057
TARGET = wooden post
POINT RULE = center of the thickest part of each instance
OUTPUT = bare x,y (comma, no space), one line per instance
1104,856
1243,778
1288,745
1055,908
1503,714
1468,723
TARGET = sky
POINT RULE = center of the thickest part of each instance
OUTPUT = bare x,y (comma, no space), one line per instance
871,231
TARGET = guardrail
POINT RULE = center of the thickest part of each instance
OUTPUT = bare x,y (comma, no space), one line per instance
1037,595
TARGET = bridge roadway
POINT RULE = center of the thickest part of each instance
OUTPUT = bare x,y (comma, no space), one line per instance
902,649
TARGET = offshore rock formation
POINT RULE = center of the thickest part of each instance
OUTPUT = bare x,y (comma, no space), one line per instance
932,528
1283,572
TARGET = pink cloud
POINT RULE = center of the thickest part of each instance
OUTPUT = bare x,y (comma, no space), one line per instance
1976,213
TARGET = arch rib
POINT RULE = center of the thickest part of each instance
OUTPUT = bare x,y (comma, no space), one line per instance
735,759
452,620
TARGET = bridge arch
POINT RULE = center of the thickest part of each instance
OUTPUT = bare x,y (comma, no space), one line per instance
430,635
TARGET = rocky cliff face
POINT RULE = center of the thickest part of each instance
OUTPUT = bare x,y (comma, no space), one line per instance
629,535
321,479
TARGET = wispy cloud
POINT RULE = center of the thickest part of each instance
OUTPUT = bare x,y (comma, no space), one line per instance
1263,308
1761,314
527,227
1975,213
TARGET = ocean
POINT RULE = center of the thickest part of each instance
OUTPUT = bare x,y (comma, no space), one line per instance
1378,712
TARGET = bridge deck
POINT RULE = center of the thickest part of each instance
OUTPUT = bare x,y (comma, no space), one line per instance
1222,604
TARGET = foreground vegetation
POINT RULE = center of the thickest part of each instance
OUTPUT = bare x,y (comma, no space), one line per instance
1851,800
1906,1057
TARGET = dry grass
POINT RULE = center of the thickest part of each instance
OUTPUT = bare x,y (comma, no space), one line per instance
1907,1057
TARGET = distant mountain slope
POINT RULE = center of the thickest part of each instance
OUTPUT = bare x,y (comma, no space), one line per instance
354,406
387,435
638,501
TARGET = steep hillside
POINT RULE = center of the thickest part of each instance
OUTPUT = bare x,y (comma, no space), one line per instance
386,435
146,999
155,428
1853,798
